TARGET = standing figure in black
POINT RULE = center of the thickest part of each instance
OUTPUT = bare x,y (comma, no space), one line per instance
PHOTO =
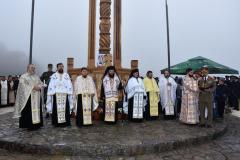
109,98
45,78
220,96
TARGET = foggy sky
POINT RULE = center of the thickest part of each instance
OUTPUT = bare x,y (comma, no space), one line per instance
208,28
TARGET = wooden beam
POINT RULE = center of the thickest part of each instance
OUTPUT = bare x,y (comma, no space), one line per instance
117,50
105,25
92,34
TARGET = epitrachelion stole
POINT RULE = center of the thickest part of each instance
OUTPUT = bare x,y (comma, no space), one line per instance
110,110
169,109
138,106
35,106
61,107
153,97
87,108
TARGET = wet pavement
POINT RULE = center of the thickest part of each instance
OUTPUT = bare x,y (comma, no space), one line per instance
149,140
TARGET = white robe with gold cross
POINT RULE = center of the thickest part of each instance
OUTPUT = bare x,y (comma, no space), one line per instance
86,87
168,88
61,86
135,88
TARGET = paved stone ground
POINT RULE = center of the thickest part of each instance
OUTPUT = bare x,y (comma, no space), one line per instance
6,110
226,147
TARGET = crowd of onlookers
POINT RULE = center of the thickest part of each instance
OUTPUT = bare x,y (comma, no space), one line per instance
11,89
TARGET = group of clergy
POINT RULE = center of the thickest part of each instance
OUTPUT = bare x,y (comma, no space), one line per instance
8,87
141,97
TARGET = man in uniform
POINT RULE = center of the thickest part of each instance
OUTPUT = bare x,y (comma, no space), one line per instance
207,86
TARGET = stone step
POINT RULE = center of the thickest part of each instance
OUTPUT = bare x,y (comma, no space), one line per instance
105,140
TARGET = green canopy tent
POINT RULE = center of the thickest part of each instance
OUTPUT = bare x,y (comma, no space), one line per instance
198,62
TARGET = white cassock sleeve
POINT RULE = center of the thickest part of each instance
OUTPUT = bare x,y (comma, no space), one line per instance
95,103
125,105
95,98
174,88
145,94
70,101
75,96
49,104
125,100
163,91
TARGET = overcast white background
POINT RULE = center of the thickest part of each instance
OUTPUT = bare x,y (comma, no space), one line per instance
209,28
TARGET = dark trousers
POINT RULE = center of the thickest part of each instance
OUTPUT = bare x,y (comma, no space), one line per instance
179,103
221,106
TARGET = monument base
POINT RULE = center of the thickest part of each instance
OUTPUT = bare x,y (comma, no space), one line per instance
124,138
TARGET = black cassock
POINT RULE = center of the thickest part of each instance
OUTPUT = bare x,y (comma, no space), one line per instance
233,97
25,121
80,117
147,110
55,115
220,97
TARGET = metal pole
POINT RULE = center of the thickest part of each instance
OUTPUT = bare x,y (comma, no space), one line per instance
31,32
168,40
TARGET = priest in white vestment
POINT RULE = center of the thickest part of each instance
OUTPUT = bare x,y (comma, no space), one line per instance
168,88
85,96
136,97
28,107
60,98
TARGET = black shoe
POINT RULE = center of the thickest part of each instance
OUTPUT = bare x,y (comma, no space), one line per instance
202,125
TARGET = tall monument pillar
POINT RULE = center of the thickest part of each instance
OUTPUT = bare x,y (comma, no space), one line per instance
105,26
104,42
117,46
91,34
